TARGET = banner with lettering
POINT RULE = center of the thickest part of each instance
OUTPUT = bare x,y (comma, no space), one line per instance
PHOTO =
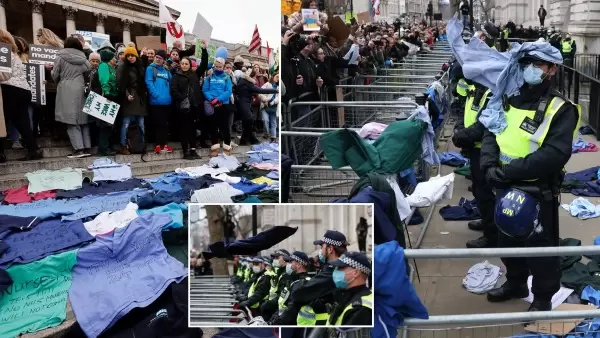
37,299
94,39
101,108
5,58
41,55
36,76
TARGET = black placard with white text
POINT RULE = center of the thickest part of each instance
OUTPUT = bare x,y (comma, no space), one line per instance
5,58
36,77
41,55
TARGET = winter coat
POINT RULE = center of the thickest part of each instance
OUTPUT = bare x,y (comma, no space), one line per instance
130,81
186,85
159,86
245,89
108,80
69,69
3,77
269,100
217,87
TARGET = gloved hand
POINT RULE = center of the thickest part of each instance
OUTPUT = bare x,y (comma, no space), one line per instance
214,101
243,304
495,177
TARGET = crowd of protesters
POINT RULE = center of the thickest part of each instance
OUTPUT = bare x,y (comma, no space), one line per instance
311,60
164,97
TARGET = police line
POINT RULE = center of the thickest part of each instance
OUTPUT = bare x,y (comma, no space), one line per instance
502,252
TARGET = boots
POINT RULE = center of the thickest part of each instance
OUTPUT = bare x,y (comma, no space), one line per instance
215,149
227,149
476,225
507,292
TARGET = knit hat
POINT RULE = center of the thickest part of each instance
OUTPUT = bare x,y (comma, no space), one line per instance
106,45
220,61
121,50
131,51
161,53
106,55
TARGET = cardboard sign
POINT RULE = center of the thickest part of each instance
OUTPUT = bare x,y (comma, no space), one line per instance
363,17
559,326
36,76
5,58
99,107
338,29
94,39
202,29
42,55
149,42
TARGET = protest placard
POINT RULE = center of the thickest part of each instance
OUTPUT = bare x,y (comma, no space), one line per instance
311,18
42,55
5,58
36,76
149,42
202,29
101,108
94,39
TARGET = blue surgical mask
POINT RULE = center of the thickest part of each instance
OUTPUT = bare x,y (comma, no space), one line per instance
288,269
256,269
533,75
322,258
217,72
339,278
275,263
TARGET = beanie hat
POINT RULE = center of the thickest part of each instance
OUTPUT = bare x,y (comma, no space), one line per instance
161,53
131,51
121,50
106,45
106,55
220,61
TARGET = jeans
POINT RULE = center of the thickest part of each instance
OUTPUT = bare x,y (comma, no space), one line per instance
13,133
269,117
127,120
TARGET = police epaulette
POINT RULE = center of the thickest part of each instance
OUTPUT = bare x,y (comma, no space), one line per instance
559,94
357,303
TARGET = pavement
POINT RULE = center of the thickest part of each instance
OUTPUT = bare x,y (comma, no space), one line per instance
440,287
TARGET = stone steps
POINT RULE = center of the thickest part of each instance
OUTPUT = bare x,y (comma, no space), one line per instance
12,173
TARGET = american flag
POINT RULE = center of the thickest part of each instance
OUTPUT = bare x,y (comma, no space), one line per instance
256,42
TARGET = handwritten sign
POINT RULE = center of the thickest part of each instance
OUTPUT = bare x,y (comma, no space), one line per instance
202,28
42,55
311,17
37,299
5,58
36,77
101,108
150,42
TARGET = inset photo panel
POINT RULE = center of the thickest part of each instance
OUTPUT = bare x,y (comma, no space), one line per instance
296,265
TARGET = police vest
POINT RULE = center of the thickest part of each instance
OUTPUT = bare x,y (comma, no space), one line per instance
472,108
285,293
462,87
253,288
505,33
308,317
526,129
240,272
366,301
567,46
247,275
275,286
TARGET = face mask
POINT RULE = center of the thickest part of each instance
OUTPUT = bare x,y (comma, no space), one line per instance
321,257
288,269
256,269
339,278
217,72
275,263
533,75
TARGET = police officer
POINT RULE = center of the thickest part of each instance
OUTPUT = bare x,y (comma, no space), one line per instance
533,150
469,139
317,293
355,301
261,283
296,270
487,33
269,307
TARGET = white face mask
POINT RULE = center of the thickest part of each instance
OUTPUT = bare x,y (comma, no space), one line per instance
275,263
256,269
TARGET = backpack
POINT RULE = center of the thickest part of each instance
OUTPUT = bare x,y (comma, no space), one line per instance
135,140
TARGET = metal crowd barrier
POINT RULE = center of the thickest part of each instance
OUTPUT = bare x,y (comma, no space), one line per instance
211,302
500,324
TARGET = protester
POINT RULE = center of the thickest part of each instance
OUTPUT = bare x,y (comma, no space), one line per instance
217,89
107,79
269,107
296,23
132,95
158,81
69,68
17,96
44,115
94,59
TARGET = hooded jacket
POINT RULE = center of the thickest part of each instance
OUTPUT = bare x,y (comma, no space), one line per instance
69,69
159,86
217,87
245,89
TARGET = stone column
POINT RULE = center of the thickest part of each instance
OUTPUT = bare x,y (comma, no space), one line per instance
70,16
126,30
37,7
2,14
100,22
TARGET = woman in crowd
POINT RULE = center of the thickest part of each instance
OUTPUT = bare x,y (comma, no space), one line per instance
231,105
246,88
4,76
17,97
158,81
132,95
296,23
107,77
68,71
217,89
44,115
270,103
23,52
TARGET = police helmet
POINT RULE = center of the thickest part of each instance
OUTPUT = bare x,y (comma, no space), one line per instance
517,213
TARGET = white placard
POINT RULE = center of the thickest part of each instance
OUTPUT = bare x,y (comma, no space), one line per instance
99,107
202,29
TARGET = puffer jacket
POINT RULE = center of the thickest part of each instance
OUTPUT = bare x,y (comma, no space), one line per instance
245,89
158,82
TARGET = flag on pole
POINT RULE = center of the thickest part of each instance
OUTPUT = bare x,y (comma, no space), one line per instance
271,59
174,29
256,42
